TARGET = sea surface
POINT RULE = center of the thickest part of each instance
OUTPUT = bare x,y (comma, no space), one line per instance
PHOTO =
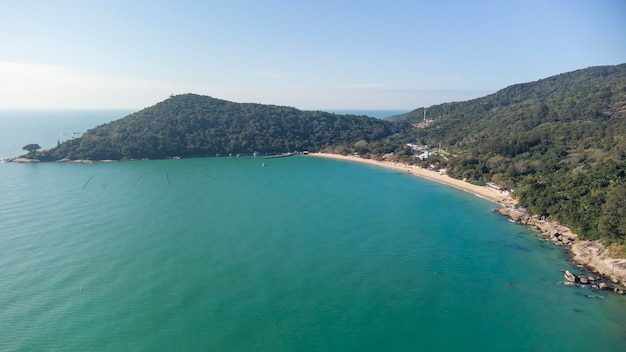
288,254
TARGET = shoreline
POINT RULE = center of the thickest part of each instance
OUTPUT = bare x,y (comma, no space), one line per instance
591,254
484,192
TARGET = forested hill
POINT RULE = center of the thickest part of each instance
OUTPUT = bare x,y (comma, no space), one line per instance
592,93
192,125
560,142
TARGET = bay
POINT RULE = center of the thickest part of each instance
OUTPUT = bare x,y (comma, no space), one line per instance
305,254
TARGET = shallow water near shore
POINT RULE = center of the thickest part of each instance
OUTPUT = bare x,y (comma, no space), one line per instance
303,254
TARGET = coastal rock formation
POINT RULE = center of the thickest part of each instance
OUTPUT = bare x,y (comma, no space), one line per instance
570,277
21,160
594,255
588,253
582,280
560,235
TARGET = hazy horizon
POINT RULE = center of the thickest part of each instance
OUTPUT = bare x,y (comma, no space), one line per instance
322,55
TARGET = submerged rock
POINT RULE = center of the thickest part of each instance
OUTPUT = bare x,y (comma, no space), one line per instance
591,254
570,277
596,256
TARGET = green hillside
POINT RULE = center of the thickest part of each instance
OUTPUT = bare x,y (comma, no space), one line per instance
192,125
560,142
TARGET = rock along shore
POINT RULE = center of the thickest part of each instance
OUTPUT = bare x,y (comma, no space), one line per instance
21,160
590,254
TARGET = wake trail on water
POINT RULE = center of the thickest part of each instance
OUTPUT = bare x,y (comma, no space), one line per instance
139,179
91,178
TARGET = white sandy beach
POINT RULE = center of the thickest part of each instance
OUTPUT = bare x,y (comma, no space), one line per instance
480,191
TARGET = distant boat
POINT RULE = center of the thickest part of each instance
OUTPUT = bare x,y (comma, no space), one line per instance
263,164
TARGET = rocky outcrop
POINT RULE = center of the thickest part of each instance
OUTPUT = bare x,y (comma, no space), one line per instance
588,253
570,277
555,233
77,161
22,160
594,255
595,283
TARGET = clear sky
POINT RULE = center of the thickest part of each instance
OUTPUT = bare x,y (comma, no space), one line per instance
323,54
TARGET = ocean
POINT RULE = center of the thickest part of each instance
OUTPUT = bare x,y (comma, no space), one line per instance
302,254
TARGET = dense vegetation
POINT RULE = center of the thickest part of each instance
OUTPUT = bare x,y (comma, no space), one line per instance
559,143
191,125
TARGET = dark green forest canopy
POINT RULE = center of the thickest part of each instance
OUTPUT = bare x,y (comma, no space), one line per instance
191,125
559,143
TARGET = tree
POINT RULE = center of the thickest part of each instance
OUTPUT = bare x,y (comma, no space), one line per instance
32,148
361,147
613,221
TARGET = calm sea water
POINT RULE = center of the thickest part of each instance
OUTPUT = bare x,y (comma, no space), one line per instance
302,254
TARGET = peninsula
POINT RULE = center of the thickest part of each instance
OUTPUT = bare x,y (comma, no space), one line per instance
557,145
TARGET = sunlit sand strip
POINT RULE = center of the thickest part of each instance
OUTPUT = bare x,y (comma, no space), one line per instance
480,191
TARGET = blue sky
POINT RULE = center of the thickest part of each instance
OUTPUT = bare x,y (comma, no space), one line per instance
321,54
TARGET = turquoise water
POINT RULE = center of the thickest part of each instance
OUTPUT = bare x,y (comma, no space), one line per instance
303,254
